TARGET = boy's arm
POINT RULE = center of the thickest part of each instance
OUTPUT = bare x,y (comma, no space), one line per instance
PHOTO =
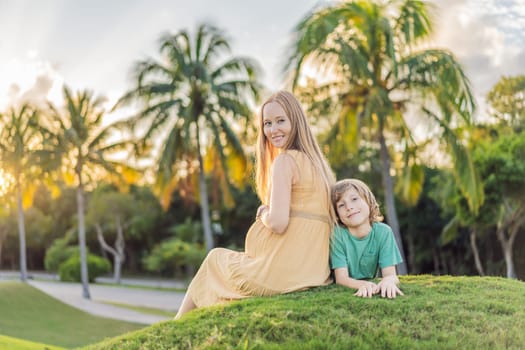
388,286
364,288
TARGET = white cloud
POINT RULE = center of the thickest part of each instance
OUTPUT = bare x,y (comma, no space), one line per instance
486,36
29,79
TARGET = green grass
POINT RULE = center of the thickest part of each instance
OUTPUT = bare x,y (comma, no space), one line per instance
29,314
143,309
19,344
436,313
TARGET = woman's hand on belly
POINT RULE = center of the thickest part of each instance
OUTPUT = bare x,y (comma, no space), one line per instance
261,210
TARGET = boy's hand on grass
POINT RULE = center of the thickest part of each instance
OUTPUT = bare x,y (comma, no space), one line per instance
367,290
388,288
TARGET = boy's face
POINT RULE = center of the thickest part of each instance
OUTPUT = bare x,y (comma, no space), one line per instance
353,210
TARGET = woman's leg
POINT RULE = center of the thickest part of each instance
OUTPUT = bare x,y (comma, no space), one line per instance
186,306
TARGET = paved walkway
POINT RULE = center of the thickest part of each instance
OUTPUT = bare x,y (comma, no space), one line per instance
143,282
71,293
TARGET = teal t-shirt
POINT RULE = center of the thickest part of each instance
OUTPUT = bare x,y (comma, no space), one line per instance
362,256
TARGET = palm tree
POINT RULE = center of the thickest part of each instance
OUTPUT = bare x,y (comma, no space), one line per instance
194,98
19,137
374,67
86,144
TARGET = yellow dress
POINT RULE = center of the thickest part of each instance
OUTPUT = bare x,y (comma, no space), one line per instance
273,263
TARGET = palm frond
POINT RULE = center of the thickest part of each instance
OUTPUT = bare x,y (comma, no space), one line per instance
231,137
354,60
412,178
310,34
112,147
436,72
234,106
234,65
177,48
211,43
414,21
152,68
464,171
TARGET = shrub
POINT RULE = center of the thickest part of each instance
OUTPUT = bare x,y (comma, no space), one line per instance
69,271
58,253
173,254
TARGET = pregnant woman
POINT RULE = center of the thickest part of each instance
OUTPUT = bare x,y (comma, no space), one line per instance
287,247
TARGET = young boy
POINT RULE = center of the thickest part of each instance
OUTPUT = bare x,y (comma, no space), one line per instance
361,243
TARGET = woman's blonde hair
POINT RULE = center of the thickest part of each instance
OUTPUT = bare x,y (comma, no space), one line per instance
342,186
300,138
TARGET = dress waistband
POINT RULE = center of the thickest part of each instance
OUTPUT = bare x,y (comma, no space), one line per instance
311,216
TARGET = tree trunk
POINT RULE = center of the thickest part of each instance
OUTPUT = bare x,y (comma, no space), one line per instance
475,251
190,270
1,247
507,252
446,263
117,268
507,247
204,204
414,269
21,233
119,257
82,237
117,252
391,213
435,259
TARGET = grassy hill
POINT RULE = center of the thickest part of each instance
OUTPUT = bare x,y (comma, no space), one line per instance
435,313
20,344
29,314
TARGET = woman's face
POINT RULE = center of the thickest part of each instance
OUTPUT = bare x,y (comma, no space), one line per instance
276,124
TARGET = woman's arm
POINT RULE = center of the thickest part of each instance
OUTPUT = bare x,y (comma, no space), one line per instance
388,286
277,215
364,288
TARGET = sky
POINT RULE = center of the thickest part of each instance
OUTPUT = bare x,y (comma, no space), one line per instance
93,44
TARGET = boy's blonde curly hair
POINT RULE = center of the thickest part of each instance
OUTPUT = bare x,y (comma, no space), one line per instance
342,186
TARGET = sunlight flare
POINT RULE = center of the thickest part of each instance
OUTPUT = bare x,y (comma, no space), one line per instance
6,182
